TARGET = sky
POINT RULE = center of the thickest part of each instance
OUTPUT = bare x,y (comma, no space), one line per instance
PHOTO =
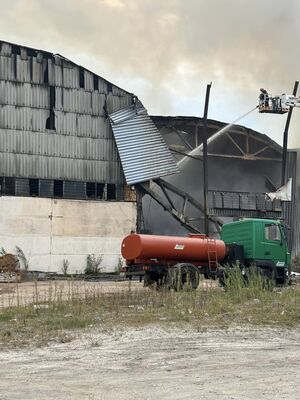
167,51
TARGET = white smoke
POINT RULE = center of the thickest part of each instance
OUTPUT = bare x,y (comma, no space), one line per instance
166,51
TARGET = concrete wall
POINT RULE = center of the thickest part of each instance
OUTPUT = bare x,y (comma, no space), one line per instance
51,230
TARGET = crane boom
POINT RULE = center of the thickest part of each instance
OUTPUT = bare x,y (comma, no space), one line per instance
290,100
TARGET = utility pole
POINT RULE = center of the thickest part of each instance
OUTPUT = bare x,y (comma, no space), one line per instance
205,171
285,138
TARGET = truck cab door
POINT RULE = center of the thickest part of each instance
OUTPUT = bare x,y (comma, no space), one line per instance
275,248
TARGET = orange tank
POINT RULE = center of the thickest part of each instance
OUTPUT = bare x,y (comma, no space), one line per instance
188,249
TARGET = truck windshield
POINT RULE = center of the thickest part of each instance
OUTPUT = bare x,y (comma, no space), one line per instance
272,232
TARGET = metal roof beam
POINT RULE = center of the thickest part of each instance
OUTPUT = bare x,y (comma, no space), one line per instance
235,143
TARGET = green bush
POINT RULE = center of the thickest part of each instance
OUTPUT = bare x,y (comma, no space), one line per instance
93,264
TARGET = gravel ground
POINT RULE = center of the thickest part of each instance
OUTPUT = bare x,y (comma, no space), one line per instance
153,363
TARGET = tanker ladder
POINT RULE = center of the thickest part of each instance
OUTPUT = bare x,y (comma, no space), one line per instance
212,256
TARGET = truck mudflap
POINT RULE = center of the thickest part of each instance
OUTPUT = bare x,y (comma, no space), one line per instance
283,276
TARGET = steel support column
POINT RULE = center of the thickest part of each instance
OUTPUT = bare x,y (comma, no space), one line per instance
205,170
285,138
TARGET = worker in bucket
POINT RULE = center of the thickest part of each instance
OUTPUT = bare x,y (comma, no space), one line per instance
264,98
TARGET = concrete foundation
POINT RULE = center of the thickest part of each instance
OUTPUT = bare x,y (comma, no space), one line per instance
51,230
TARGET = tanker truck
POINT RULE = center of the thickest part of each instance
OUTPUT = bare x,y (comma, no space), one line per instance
175,261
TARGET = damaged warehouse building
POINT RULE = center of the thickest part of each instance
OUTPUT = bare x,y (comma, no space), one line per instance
79,156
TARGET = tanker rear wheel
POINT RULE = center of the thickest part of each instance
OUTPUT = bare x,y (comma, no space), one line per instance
149,281
154,280
183,276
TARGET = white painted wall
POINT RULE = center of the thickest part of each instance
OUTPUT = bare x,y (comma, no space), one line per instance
49,231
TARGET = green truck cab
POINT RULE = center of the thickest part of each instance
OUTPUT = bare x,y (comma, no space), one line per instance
263,243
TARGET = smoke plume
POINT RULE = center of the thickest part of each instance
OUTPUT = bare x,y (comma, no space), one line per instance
166,51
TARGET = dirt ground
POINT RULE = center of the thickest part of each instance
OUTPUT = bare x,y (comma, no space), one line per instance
150,362
153,363
12,294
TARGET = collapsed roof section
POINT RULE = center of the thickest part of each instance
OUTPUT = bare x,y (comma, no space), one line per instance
142,149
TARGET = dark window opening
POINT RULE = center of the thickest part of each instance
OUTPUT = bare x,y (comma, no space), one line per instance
10,186
58,188
14,59
91,190
31,53
16,50
46,73
111,191
81,77
46,188
74,190
33,187
119,192
31,68
52,97
50,122
95,190
100,190
96,82
109,87
105,107
22,187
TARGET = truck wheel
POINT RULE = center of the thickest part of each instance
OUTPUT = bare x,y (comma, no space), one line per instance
270,277
149,281
267,273
183,277
222,280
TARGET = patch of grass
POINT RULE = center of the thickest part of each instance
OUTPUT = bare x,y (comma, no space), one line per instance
57,317
6,316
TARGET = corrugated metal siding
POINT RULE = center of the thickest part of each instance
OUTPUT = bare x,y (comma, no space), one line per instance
296,210
19,165
23,119
143,152
82,146
91,159
55,145
296,246
70,76
24,95
291,209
